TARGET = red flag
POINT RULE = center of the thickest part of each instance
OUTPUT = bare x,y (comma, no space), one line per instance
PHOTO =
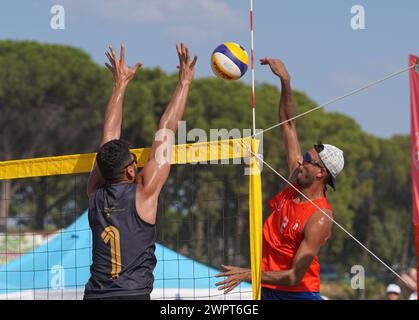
414,95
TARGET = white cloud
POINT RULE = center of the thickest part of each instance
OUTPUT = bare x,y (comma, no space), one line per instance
180,17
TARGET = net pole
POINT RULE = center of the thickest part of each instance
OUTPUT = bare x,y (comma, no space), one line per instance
255,189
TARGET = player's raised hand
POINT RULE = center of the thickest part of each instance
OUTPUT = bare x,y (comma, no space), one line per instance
186,67
277,67
122,74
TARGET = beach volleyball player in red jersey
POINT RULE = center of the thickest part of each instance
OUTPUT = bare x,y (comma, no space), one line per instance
296,229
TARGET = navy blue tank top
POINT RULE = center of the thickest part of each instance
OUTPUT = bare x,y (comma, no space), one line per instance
123,244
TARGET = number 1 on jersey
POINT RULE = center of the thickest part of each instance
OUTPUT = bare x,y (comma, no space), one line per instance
111,234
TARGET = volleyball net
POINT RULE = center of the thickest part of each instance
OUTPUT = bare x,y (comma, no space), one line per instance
209,213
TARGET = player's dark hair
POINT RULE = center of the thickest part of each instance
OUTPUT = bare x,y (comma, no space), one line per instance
112,158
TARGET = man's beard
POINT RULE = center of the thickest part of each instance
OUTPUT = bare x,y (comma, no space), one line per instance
304,179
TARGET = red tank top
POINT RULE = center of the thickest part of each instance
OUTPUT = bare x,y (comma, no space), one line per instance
282,236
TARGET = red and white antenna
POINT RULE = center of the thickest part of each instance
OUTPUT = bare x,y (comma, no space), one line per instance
252,58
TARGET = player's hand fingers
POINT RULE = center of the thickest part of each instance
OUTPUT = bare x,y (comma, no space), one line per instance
114,56
111,60
226,283
228,268
195,59
122,53
187,58
137,66
179,52
231,287
109,66
264,61
222,282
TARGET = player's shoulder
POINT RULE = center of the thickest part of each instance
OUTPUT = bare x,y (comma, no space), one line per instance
319,226
284,195
321,218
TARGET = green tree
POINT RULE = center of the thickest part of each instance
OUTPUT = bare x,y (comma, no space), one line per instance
48,94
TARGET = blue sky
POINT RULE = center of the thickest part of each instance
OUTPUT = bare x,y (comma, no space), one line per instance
324,55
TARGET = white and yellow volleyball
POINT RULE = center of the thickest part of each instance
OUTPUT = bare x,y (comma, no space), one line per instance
229,61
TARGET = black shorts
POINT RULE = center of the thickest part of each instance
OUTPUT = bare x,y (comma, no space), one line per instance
133,297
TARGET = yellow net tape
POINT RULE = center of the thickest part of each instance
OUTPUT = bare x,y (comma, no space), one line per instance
83,163
255,222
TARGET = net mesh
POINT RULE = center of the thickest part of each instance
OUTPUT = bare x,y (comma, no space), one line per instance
45,239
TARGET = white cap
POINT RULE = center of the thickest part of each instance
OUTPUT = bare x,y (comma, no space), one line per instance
333,160
413,296
393,288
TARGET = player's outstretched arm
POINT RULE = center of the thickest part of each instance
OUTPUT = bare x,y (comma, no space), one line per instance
155,173
316,232
122,75
286,112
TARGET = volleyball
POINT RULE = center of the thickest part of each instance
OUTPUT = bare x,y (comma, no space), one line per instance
229,61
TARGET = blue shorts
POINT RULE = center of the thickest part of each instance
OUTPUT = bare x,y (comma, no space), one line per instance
271,294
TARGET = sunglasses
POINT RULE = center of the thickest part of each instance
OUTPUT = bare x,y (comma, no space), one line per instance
308,159
132,162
